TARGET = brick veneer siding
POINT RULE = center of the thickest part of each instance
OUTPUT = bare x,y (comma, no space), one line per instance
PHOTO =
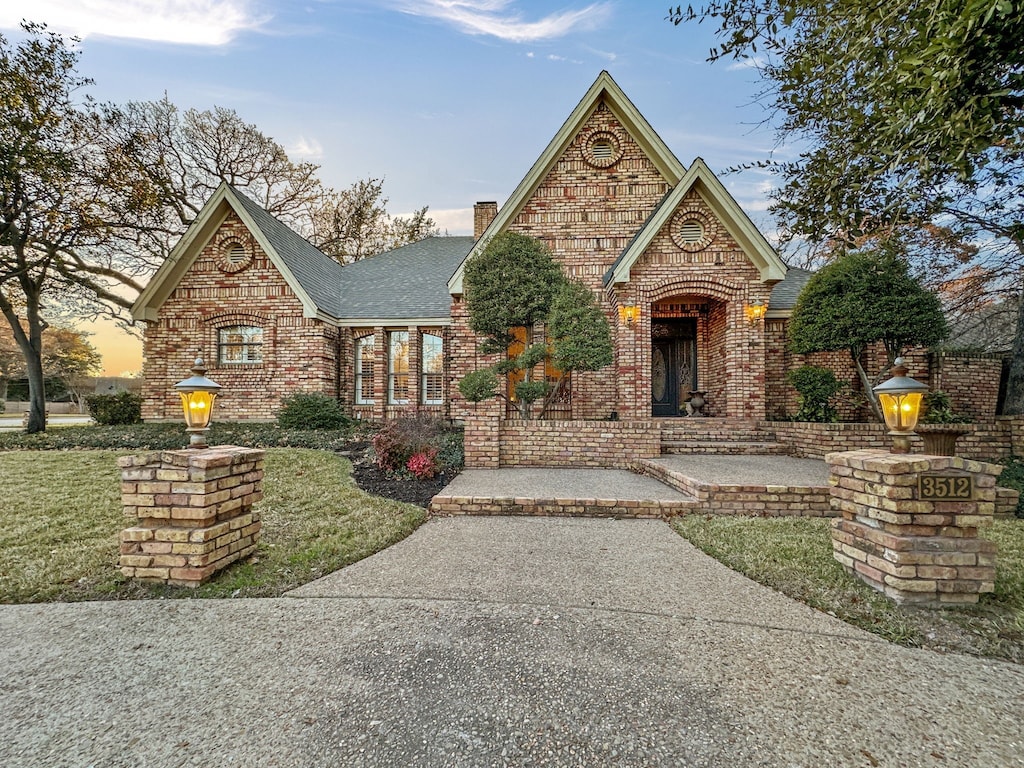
914,550
299,353
193,512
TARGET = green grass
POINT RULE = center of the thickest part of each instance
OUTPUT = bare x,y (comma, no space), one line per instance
60,517
794,556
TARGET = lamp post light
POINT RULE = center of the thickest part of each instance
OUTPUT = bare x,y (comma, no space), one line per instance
900,398
197,396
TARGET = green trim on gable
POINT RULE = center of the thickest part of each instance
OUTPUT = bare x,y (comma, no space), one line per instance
604,89
726,209
224,200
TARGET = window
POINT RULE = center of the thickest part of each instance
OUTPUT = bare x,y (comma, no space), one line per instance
240,344
432,369
398,367
366,359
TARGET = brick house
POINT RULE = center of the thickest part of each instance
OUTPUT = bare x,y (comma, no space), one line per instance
697,298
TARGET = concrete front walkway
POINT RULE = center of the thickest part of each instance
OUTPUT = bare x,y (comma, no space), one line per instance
495,642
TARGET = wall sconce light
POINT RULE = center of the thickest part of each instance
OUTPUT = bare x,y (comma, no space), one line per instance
629,315
755,312
197,396
900,398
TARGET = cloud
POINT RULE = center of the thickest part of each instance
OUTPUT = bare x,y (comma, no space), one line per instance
498,19
749,62
305,149
189,22
452,221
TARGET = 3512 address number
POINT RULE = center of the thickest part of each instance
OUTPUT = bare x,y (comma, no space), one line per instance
946,487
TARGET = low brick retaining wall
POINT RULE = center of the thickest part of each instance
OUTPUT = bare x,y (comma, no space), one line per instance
193,512
492,443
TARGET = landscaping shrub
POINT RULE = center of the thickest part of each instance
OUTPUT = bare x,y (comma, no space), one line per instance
421,446
312,411
816,387
120,408
937,408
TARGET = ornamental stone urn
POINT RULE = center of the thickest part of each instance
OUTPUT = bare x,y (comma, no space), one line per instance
940,439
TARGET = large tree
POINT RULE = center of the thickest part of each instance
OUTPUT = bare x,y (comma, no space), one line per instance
863,298
903,114
513,286
92,199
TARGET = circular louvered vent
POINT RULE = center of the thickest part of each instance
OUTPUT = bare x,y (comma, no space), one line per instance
692,231
602,149
234,256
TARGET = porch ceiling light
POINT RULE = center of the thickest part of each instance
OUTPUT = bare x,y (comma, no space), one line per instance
900,398
197,396
629,315
755,312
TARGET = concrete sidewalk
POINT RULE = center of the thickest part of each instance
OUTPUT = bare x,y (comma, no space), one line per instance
495,641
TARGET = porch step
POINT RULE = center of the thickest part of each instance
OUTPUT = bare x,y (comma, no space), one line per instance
724,447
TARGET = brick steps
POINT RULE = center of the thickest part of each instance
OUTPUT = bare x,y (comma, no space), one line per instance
551,507
753,500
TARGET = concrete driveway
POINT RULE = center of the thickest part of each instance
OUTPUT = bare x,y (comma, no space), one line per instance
495,641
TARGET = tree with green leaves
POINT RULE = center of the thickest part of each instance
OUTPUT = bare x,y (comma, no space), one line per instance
904,114
863,298
514,282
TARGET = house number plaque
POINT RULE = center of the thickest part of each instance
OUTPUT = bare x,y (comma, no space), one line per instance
945,487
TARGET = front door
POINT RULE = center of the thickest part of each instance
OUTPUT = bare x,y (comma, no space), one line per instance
673,365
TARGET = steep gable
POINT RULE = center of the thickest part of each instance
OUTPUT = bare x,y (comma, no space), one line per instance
604,94
313,277
727,211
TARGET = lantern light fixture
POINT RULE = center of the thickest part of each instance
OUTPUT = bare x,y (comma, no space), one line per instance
198,394
629,315
900,398
756,311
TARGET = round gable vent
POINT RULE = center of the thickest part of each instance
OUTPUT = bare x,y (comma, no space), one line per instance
602,149
234,256
692,231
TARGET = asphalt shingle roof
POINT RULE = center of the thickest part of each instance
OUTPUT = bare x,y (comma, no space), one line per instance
317,273
785,292
408,282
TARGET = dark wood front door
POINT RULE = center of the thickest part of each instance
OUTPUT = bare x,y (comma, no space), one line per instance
673,365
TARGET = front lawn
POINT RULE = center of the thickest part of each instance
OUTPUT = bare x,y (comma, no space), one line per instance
60,516
794,556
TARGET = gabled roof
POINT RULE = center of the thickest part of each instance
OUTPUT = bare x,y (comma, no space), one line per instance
604,89
314,277
408,283
725,208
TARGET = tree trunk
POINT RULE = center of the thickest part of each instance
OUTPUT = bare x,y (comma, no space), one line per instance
869,394
36,395
1013,405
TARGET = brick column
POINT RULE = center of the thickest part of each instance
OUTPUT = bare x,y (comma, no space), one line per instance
895,538
192,510
482,437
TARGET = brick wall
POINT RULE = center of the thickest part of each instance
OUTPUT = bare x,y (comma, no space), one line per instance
576,443
970,380
992,439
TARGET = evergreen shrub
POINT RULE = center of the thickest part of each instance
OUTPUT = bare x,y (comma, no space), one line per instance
116,409
312,411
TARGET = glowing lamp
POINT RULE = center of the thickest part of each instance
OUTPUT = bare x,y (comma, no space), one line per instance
755,312
198,394
629,315
900,399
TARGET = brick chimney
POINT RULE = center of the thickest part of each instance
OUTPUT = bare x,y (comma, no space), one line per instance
483,214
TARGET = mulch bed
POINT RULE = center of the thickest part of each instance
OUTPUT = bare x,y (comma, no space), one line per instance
370,478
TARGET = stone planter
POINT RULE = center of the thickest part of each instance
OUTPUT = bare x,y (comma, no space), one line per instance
940,439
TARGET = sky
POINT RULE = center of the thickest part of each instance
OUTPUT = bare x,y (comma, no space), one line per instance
450,101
